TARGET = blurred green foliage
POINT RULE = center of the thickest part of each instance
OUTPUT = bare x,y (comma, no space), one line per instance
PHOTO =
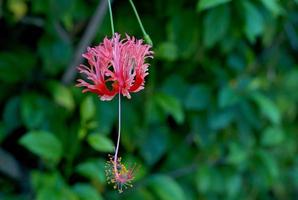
217,119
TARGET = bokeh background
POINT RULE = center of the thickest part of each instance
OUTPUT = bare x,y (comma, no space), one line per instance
217,119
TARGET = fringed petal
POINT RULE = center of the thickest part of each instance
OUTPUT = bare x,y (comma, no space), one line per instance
121,62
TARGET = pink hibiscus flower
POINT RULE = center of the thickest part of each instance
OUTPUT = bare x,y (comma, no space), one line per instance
115,66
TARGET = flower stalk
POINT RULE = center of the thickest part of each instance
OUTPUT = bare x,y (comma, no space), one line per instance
111,17
146,36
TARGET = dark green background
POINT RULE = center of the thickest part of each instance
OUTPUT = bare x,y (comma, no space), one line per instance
217,118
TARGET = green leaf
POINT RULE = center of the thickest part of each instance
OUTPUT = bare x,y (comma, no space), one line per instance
237,154
106,115
205,4
185,41
82,132
43,144
140,193
55,54
51,186
273,6
87,109
86,192
270,166
165,188
209,180
290,84
221,119
267,107
167,51
198,98
203,179
131,126
3,132
55,194
40,6
254,22
236,61
92,169
248,114
19,8
11,114
233,184
216,25
33,110
227,97
21,70
157,138
171,106
272,136
100,142
175,86
62,95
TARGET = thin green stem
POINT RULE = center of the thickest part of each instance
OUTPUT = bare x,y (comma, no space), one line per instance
137,15
146,36
111,17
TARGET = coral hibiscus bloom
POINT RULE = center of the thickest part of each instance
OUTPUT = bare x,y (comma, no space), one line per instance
115,66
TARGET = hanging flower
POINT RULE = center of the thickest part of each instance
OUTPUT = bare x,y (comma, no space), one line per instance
115,66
